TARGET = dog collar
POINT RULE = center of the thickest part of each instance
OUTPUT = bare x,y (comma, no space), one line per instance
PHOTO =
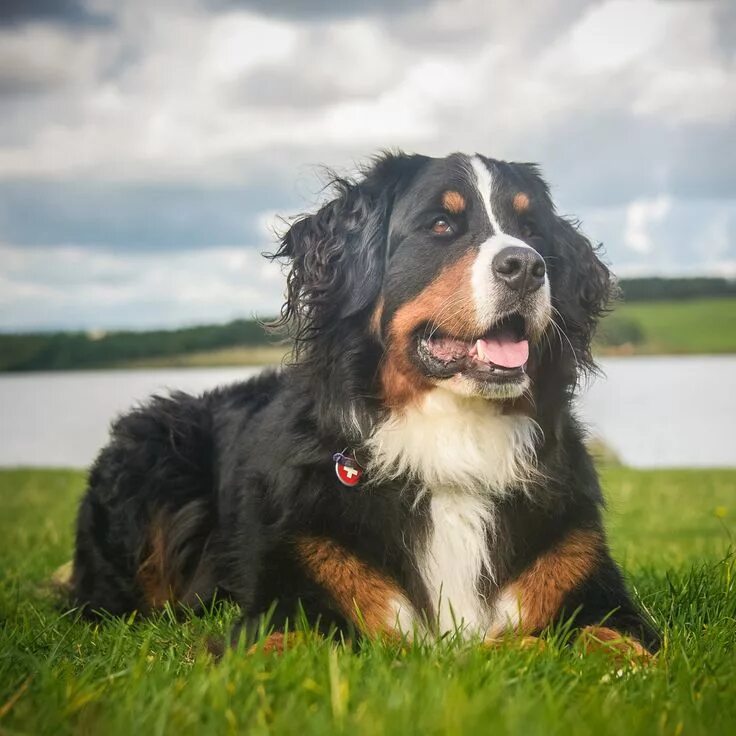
347,469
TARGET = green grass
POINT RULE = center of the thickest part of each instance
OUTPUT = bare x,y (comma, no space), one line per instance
671,327
672,529
224,357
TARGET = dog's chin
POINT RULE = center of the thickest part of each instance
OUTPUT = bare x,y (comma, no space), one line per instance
465,385
493,365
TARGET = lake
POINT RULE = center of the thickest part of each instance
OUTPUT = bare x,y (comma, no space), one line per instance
652,411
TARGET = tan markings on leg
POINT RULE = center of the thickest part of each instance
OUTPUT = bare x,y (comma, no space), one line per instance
521,202
523,642
453,202
275,642
278,642
154,577
362,594
621,646
375,324
540,590
446,303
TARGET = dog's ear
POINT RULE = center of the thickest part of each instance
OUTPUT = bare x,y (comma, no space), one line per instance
586,287
337,255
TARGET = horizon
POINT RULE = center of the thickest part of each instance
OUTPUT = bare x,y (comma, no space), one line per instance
100,331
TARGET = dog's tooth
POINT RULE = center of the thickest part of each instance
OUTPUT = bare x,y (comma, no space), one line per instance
479,350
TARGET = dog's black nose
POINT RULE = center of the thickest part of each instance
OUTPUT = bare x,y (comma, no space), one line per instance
521,269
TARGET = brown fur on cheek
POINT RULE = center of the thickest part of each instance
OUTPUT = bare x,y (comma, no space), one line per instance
541,589
362,594
446,303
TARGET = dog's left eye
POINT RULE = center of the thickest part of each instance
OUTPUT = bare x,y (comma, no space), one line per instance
442,226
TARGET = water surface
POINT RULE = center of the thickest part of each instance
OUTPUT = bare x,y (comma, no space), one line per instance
653,411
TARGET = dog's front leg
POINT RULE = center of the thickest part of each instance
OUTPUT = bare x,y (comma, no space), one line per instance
362,594
575,577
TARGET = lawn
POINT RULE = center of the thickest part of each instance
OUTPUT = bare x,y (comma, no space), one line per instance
231,356
671,327
672,529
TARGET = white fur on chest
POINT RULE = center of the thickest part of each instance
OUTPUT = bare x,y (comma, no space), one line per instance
456,559
452,440
467,454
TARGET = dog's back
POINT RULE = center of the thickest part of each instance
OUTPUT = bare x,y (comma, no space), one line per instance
145,523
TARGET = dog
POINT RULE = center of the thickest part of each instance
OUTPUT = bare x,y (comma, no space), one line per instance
418,466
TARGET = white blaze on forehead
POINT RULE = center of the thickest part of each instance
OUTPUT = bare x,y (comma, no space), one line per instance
483,283
483,181
484,186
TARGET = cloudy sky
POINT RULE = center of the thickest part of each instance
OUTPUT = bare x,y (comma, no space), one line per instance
147,147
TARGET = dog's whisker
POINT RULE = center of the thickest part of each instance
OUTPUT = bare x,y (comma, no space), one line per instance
457,300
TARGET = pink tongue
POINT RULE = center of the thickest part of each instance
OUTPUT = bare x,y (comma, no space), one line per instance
503,351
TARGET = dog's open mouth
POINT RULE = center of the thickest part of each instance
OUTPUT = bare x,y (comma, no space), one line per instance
501,353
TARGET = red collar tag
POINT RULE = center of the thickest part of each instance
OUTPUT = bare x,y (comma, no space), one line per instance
347,469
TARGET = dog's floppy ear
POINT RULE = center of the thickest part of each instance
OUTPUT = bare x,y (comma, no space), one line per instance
337,255
587,287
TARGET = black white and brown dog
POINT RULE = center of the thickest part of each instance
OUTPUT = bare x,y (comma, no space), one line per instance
418,467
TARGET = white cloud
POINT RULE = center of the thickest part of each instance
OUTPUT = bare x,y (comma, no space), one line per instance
160,98
628,104
84,288
238,42
640,216
595,42
23,68
716,239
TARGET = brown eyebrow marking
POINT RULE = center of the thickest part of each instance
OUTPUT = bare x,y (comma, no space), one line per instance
521,202
453,202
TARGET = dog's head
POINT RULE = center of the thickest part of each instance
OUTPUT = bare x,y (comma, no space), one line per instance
452,272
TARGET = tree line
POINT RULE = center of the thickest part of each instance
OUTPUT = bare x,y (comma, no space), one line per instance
68,350
657,288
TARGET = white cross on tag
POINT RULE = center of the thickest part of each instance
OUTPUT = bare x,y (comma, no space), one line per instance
347,469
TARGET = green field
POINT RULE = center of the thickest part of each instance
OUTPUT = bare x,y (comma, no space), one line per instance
683,327
673,530
670,327
224,357
686,325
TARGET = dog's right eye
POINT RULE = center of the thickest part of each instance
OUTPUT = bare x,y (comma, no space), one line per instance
442,226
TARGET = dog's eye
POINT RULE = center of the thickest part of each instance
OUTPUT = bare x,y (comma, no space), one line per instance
442,226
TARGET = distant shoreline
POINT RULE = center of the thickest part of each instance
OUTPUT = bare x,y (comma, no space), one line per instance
705,326
702,326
